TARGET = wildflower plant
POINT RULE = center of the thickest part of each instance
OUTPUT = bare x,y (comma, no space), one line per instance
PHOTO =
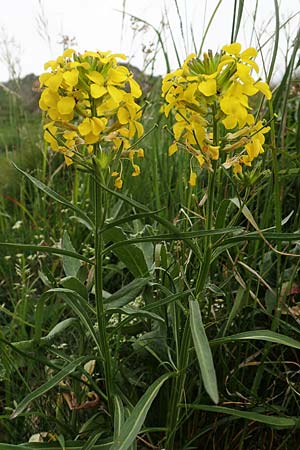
214,123
91,110
210,101
92,118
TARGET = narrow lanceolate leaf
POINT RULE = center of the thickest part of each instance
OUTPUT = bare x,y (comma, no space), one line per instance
46,340
57,197
273,421
49,385
71,265
126,294
14,447
118,416
81,307
135,421
11,246
131,255
261,335
203,352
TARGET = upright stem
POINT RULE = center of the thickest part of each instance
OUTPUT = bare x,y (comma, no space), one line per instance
184,353
204,270
104,341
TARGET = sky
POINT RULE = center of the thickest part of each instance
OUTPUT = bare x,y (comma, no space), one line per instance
31,31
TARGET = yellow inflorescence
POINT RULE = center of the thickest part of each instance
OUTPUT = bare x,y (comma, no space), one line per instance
212,91
88,99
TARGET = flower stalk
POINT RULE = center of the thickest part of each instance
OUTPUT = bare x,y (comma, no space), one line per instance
100,311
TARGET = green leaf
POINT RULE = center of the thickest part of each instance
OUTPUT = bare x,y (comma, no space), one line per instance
118,416
131,255
262,335
135,421
17,247
56,331
235,308
203,351
71,265
81,307
67,370
273,421
136,312
57,197
15,447
126,294
74,284
69,445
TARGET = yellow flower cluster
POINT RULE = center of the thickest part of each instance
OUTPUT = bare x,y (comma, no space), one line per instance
89,99
213,91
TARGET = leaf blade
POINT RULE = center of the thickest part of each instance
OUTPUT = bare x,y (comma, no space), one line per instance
203,351
137,417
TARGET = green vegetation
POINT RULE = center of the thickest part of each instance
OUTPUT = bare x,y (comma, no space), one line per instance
197,342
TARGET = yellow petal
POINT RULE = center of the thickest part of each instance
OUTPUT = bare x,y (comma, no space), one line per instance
119,55
193,178
229,122
200,160
233,49
123,115
54,82
172,149
253,64
178,129
199,132
115,93
92,54
208,87
248,53
85,127
237,168
135,88
68,52
139,128
97,91
43,78
118,183
96,77
117,75
52,64
49,99
71,77
66,105
98,125
264,88
137,170
70,134
90,149
91,138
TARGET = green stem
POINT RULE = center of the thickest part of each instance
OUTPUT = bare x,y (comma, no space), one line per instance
178,386
101,319
183,360
204,270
